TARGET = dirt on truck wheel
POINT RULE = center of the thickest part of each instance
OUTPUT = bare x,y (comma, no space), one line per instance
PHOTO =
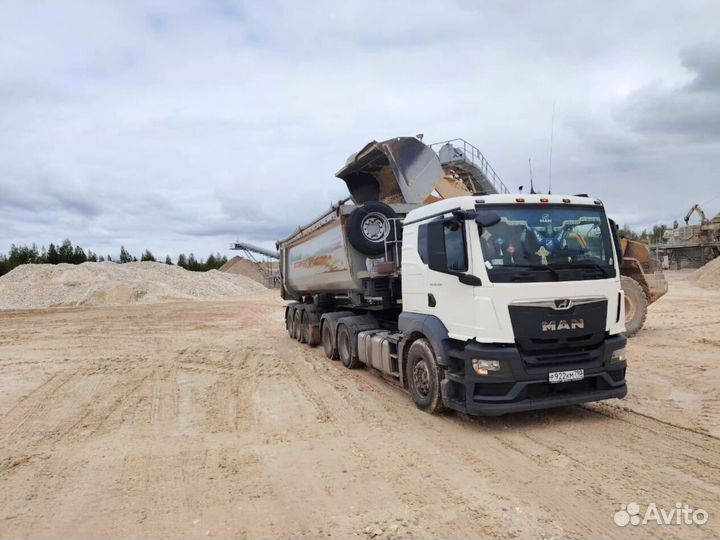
424,377
635,305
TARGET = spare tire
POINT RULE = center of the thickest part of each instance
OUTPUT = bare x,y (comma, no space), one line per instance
369,227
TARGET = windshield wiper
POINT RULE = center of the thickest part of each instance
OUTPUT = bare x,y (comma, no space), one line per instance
544,267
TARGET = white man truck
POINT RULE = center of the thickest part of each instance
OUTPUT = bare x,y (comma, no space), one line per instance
485,304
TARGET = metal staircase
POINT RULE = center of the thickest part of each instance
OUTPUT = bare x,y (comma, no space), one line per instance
465,162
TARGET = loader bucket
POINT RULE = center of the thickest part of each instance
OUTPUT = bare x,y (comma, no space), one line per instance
399,170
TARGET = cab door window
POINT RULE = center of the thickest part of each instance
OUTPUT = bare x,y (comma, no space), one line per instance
445,246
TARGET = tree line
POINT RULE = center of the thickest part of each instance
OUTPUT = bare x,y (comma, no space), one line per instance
65,252
653,237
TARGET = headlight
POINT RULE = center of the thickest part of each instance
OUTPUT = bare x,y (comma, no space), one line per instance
618,355
482,366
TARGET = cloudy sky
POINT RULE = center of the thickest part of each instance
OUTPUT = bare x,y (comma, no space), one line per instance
182,125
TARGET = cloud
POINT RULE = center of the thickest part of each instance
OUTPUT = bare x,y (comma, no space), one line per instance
184,126
687,113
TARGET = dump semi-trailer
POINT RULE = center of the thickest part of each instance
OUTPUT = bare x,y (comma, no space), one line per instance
485,304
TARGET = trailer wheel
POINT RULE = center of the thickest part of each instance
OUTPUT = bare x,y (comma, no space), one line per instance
289,322
305,329
297,325
344,347
327,341
424,377
635,305
369,227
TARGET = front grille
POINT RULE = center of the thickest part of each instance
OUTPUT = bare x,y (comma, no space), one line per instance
545,331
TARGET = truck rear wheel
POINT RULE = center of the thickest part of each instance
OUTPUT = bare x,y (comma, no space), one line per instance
297,326
305,329
424,377
344,347
290,321
635,305
327,341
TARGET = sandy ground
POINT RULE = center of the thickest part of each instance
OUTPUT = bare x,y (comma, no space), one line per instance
203,419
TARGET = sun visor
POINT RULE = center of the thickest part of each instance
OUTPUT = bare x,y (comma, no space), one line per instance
399,170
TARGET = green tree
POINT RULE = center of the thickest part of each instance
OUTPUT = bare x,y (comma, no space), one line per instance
78,256
168,260
53,257
211,262
65,251
147,256
125,256
192,263
101,259
627,232
182,261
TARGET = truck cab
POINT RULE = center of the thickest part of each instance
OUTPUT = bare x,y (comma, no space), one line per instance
519,298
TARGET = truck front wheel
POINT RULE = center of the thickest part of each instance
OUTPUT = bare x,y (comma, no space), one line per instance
424,376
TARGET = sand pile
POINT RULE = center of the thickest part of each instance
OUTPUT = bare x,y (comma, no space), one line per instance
708,276
45,285
244,267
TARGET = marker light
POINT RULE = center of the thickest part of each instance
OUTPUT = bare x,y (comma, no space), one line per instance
566,201
482,366
519,200
543,200
618,355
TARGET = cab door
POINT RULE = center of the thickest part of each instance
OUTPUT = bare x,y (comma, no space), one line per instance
448,255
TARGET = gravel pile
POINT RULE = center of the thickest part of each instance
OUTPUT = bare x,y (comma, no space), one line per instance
244,267
708,276
106,283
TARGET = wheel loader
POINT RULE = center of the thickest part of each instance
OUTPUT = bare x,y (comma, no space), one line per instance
643,282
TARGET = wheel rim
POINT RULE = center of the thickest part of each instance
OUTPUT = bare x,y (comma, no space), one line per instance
629,309
421,377
375,227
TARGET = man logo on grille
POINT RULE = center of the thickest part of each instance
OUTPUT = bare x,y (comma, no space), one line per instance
563,304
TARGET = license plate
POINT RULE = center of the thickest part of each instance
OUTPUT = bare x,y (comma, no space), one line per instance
565,376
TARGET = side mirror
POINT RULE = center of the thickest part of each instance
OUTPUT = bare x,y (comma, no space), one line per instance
616,241
487,218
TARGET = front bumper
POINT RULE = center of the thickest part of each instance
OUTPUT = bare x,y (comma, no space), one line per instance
522,383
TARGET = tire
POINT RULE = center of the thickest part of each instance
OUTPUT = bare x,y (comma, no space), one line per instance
327,341
305,328
289,322
635,305
368,227
424,377
297,325
344,347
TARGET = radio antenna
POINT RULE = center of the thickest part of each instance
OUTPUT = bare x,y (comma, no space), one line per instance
552,133
532,188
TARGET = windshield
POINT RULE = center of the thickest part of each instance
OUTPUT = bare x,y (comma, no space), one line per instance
547,243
